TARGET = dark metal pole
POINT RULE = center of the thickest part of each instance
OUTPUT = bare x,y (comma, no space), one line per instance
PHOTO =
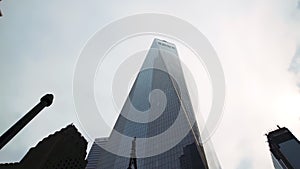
45,101
0,11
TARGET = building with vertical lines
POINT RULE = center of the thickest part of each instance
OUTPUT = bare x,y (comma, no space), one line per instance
157,111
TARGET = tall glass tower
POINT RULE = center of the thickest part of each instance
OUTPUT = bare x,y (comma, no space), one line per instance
285,149
156,127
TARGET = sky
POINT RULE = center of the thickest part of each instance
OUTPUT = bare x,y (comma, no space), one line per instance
256,41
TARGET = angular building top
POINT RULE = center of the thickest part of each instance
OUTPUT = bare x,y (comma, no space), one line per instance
285,149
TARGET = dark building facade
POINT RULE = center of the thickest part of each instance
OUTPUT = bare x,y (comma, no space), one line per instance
65,149
160,72
285,149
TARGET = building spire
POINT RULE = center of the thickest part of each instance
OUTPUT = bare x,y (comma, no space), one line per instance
132,160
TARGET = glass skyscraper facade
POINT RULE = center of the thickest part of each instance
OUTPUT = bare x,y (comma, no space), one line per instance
95,152
156,127
285,149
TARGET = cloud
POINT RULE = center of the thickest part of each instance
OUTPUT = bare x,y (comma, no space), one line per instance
245,163
255,41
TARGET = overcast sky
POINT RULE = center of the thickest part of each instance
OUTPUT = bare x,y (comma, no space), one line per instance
256,42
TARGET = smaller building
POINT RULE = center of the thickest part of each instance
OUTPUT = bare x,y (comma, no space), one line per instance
64,149
95,152
285,149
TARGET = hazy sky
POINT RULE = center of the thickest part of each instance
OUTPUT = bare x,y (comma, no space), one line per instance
256,41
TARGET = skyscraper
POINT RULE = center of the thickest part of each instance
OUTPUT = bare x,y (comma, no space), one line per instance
95,152
156,127
285,149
